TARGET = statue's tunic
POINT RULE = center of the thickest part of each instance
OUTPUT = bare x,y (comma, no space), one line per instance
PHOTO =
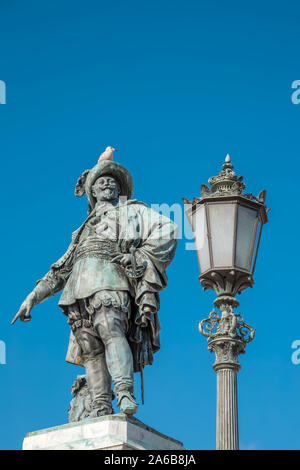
93,270
87,271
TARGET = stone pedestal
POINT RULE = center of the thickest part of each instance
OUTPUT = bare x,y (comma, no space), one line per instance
114,432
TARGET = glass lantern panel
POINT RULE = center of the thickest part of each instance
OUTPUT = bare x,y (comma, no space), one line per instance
256,242
246,218
201,239
221,217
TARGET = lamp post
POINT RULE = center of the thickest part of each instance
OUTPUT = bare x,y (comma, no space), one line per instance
227,227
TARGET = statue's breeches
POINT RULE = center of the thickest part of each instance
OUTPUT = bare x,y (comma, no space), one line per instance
106,353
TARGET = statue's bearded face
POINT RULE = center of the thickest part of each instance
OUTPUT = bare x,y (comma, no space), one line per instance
106,188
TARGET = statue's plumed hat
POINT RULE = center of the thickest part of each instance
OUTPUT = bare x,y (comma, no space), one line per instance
104,168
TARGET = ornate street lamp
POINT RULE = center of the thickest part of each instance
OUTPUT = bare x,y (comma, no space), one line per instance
227,227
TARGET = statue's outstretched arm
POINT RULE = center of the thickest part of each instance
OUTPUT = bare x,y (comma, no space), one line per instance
52,282
49,285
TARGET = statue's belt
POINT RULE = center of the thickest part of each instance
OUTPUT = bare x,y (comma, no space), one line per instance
107,250
103,249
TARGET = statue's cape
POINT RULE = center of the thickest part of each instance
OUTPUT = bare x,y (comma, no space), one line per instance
155,239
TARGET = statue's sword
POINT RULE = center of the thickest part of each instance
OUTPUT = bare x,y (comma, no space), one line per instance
134,272
142,382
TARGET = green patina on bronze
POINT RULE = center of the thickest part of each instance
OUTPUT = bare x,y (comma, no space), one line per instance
111,276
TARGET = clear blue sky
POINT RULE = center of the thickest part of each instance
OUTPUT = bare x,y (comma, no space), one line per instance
174,85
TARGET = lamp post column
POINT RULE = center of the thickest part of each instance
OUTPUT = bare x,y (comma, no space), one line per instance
227,227
227,337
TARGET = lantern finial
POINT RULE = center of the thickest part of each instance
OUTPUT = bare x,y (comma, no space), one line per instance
226,183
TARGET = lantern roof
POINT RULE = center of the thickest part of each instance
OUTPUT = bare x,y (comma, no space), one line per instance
227,185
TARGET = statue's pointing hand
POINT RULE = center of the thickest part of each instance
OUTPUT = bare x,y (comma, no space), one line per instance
25,309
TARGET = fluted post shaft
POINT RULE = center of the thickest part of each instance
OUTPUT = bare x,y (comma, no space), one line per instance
227,410
227,366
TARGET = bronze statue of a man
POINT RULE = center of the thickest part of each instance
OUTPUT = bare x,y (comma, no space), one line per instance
111,276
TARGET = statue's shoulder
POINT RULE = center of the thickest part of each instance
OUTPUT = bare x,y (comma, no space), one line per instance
75,237
78,231
75,233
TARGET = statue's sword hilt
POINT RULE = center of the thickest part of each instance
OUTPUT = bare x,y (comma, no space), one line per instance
134,271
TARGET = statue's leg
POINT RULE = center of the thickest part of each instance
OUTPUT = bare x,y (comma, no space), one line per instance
112,324
97,376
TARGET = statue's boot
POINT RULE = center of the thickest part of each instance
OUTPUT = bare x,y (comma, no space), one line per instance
126,402
120,364
99,384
